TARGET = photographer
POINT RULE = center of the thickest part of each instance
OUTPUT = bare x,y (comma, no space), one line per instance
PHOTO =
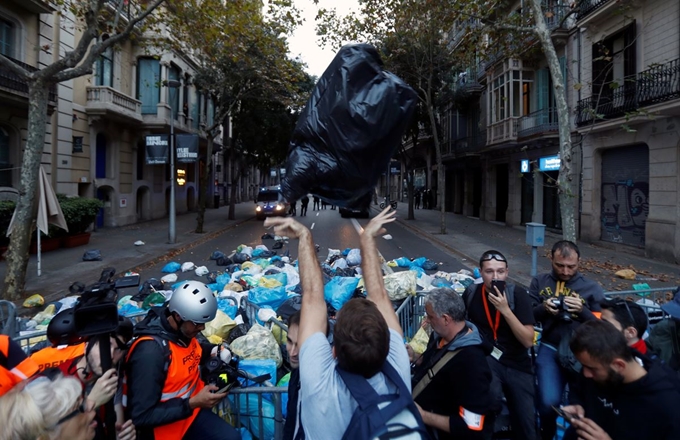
162,391
565,298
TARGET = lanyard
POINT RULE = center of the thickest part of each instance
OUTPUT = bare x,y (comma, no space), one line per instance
494,327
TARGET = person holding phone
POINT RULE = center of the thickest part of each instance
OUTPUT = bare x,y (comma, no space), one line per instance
503,314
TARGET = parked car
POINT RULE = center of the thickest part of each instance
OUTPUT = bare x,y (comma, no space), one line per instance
351,212
270,202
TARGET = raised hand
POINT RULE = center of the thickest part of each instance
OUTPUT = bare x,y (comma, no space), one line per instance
375,227
286,226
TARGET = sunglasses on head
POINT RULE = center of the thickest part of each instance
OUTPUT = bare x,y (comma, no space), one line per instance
497,257
79,410
624,302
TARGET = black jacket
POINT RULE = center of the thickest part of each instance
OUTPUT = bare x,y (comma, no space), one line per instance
646,409
145,374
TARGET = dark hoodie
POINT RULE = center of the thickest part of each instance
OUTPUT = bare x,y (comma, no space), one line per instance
145,374
462,382
646,409
544,286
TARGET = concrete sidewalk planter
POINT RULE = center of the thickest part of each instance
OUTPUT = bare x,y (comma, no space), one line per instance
79,213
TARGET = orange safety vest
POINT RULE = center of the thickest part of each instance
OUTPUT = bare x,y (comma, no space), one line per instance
52,357
11,377
182,381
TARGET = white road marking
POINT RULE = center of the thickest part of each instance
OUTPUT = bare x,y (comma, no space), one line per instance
312,227
317,214
359,229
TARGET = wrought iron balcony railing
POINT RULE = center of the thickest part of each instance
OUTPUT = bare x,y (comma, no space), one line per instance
11,81
585,7
659,83
538,123
466,145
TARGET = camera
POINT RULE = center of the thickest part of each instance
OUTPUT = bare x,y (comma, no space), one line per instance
221,374
561,307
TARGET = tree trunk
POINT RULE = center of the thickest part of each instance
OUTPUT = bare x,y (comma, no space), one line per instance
235,176
203,186
409,194
440,165
565,181
17,254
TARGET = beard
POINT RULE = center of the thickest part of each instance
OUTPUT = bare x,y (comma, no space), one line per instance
613,379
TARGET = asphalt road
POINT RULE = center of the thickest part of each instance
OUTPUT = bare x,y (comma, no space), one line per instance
329,229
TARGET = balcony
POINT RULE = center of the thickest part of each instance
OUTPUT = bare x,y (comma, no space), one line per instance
464,146
502,131
538,123
655,85
586,7
108,102
15,85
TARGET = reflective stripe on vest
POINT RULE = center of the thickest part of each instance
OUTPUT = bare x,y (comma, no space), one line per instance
11,377
52,357
182,381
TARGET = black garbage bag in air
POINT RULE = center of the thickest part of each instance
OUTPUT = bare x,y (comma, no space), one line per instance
349,129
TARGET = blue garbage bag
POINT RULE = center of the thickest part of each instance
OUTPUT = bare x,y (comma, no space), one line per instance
339,290
441,282
417,269
217,255
256,368
245,434
223,279
346,252
430,265
228,307
281,277
216,287
418,262
262,296
171,267
403,262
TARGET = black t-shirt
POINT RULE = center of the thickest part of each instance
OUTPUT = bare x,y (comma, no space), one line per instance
515,355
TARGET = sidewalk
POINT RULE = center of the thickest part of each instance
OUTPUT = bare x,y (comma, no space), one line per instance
62,267
469,238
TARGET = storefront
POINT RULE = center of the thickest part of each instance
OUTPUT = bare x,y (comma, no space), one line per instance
541,203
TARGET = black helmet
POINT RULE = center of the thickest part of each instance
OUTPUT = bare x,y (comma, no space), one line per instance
125,328
62,331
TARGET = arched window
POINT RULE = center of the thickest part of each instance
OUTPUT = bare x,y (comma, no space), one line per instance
7,38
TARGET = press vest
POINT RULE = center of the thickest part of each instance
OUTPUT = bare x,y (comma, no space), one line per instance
12,376
182,381
52,357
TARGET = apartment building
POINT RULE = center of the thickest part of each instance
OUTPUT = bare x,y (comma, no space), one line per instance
25,26
628,113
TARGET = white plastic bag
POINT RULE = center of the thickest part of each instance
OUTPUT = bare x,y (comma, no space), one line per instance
354,257
169,278
186,267
247,250
259,343
340,263
200,271
332,253
399,285
264,314
293,276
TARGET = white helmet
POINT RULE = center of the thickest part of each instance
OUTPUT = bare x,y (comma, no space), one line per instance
194,302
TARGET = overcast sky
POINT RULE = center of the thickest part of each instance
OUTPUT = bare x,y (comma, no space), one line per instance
305,42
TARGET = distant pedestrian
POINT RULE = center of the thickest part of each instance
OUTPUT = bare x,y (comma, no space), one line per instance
315,206
417,200
425,205
303,206
293,208
324,205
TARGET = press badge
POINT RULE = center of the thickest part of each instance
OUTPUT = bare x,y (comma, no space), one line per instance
497,353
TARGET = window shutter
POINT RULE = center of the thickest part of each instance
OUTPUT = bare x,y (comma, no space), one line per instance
148,85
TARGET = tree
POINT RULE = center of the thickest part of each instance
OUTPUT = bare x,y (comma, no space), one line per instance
242,56
102,24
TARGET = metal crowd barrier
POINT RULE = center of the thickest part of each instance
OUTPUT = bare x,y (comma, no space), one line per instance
649,299
411,313
258,409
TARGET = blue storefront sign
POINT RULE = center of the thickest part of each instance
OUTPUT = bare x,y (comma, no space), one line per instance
550,163
524,166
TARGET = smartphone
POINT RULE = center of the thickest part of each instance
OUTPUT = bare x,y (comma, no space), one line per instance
499,284
569,417
224,390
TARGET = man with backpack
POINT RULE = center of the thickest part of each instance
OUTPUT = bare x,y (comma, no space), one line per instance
162,392
451,381
664,336
342,385
503,314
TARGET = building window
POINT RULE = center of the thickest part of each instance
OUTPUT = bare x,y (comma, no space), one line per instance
148,85
104,69
510,94
7,37
5,165
614,64
173,92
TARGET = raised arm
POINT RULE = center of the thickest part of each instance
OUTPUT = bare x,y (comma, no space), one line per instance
370,267
313,314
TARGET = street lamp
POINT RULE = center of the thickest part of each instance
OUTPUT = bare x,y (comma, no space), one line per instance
173,84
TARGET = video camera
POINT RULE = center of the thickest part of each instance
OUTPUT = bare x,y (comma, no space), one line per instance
96,312
222,374
563,312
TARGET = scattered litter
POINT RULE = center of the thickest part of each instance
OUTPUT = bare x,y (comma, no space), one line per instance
169,278
34,301
139,243
171,267
186,267
626,274
200,271
92,255
387,237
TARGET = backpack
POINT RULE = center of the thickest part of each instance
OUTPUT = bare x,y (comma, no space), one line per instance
472,290
387,416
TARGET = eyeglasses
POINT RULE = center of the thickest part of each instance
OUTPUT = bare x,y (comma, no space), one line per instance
497,257
72,414
624,302
120,345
